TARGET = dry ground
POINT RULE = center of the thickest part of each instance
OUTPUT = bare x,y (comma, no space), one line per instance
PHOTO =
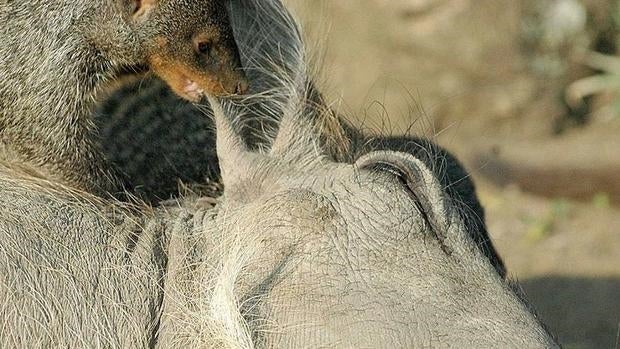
469,73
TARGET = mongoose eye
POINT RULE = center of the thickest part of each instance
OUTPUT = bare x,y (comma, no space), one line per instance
203,48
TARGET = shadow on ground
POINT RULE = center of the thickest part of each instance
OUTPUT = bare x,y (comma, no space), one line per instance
582,312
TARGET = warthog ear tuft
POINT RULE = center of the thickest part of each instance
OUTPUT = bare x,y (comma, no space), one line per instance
417,180
233,156
299,131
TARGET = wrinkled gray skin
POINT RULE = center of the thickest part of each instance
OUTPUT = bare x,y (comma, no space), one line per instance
300,251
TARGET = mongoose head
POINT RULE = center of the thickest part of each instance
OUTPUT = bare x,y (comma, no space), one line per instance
190,45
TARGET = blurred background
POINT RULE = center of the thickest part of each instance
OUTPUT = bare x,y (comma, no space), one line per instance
527,94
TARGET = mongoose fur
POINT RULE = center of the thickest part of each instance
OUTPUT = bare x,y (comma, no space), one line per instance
56,54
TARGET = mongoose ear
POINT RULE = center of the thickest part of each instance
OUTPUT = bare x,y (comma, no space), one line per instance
142,8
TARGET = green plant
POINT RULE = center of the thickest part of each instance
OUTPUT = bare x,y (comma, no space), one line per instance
605,82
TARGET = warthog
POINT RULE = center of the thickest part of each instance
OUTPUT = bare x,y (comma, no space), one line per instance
299,251
159,145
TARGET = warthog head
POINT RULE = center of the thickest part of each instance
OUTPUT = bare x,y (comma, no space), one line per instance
370,254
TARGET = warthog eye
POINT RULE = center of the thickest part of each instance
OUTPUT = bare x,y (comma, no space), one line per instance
409,174
409,184
391,169
386,167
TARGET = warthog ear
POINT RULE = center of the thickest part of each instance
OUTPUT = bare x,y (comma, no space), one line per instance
417,180
297,137
233,156
299,132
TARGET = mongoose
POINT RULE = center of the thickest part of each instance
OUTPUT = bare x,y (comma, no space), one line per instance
55,55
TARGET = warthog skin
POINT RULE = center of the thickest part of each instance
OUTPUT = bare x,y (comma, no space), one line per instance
300,250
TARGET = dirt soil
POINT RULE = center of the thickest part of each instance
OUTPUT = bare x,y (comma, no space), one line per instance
471,74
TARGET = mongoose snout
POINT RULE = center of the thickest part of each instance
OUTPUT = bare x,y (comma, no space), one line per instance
207,64
192,48
193,75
